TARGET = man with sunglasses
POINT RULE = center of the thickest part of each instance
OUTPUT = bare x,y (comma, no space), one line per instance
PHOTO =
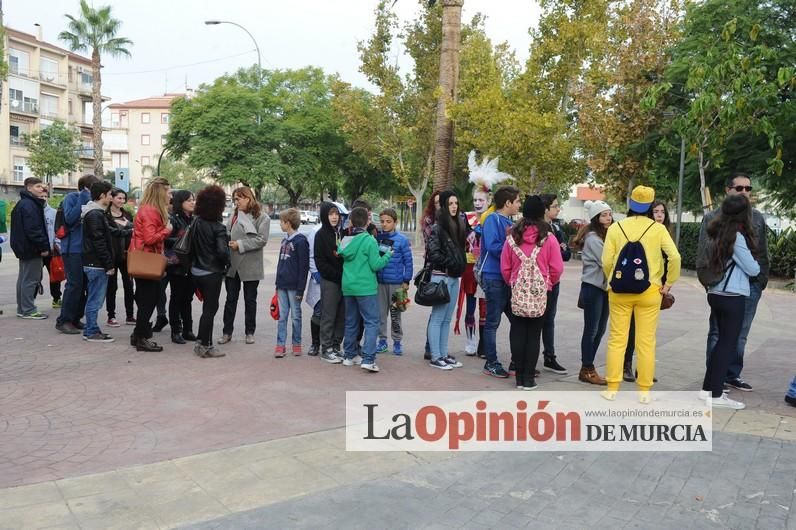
741,184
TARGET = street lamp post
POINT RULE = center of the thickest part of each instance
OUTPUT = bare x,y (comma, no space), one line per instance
259,62
680,192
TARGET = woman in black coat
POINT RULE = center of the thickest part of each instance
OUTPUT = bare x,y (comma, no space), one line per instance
179,274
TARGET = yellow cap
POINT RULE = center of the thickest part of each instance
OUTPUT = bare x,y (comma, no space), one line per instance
641,199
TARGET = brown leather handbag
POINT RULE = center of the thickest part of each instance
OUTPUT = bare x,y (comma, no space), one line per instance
145,265
667,301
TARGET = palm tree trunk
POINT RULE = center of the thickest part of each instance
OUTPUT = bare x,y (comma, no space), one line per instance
96,122
448,78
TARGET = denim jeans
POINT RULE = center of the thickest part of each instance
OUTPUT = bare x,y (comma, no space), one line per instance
750,308
497,296
439,325
549,329
97,287
792,390
73,299
289,306
359,310
595,320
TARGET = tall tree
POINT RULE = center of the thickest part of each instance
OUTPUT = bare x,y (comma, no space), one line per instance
53,150
95,31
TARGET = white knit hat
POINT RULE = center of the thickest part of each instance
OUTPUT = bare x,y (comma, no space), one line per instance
595,208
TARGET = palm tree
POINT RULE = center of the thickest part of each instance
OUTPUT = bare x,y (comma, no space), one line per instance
96,30
448,79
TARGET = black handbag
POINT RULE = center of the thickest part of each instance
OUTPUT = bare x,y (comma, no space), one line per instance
430,293
183,246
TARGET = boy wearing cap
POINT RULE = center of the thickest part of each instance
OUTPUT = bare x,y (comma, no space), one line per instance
655,240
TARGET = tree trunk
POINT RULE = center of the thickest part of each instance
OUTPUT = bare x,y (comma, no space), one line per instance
417,193
631,183
96,122
448,79
702,186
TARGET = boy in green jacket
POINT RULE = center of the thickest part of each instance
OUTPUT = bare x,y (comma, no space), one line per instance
362,259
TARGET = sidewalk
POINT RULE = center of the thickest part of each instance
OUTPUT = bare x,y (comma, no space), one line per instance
100,435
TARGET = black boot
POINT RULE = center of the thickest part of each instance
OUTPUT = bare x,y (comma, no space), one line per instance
480,352
627,374
176,338
160,323
315,349
143,344
520,381
187,331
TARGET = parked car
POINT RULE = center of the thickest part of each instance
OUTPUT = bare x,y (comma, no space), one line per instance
308,217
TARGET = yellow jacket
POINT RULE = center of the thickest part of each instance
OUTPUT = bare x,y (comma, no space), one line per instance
655,242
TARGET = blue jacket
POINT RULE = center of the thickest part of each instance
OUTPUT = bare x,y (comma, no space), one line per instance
492,240
28,230
72,205
399,269
294,264
736,279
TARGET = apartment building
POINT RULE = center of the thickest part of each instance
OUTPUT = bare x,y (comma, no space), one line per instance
137,135
45,83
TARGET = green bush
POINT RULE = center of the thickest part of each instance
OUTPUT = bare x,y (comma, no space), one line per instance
689,241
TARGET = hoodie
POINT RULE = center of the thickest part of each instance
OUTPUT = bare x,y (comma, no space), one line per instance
72,205
28,228
549,258
294,263
327,261
97,243
361,261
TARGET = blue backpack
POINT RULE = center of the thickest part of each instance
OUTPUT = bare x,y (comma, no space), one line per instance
631,272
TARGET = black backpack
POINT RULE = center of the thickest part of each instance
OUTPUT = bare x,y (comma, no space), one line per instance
631,272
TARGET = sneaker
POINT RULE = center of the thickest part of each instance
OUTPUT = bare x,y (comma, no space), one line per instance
279,352
740,384
130,321
495,370
427,356
33,316
314,350
512,369
67,329
397,349
79,325
530,385
213,352
441,364
382,346
330,357
249,339
57,304
356,360
99,337
337,351
369,367
452,362
225,339
112,323
704,394
726,402
790,400
297,349
551,365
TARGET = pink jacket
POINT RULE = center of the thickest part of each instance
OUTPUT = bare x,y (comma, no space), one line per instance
549,258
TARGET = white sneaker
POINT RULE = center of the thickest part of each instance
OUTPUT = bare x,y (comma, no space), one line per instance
704,394
727,403
370,367
354,361
470,345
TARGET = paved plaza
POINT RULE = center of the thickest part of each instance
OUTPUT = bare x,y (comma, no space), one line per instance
101,436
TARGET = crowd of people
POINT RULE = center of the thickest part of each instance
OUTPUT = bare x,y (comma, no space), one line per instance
506,257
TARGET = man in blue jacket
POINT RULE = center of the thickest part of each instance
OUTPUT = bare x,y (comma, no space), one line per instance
507,203
30,244
74,298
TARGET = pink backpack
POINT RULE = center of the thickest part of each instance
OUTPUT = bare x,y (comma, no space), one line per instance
529,289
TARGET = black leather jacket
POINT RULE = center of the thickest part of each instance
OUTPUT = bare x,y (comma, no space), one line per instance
444,255
97,241
210,246
179,222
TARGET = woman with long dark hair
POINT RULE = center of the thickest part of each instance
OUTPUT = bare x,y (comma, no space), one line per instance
530,237
593,287
150,229
445,255
211,257
732,249
179,274
430,215
248,229
120,218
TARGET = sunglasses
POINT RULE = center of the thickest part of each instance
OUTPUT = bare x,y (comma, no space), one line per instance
739,189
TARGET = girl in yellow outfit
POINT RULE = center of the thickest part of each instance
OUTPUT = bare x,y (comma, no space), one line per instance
645,307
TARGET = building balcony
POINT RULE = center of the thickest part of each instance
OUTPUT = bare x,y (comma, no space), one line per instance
19,107
51,80
49,115
86,153
17,141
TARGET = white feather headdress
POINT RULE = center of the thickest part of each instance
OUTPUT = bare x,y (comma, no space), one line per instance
486,174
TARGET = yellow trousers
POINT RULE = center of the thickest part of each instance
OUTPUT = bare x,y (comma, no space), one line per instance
645,307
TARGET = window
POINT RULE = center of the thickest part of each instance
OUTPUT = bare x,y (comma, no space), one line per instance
144,160
114,119
164,118
123,119
144,139
20,169
71,74
145,118
48,70
70,108
162,139
86,79
49,105
16,135
18,62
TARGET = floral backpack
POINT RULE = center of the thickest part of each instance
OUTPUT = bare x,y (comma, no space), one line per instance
529,289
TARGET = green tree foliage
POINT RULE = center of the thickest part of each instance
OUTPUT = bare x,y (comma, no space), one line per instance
53,150
96,31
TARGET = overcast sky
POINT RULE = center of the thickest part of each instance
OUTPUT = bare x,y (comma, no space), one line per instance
172,43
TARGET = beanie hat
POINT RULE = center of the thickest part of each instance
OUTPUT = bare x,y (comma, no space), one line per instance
443,200
641,199
595,208
533,209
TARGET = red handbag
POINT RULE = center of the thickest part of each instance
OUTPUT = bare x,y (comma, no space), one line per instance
275,307
57,270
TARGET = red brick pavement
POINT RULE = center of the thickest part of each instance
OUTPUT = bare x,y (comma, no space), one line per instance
70,408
